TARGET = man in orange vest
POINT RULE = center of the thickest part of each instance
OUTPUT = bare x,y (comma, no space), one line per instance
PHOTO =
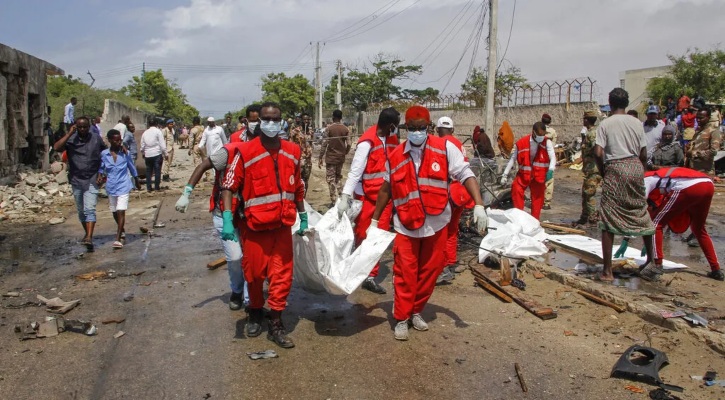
535,155
265,172
418,184
680,198
365,178
459,199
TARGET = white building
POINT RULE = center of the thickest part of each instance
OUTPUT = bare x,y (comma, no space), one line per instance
634,81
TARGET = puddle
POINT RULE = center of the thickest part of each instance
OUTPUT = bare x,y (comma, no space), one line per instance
627,283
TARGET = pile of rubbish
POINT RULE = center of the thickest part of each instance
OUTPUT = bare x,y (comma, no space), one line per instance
30,195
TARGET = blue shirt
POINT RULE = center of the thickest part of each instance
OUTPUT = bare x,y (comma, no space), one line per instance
118,182
129,142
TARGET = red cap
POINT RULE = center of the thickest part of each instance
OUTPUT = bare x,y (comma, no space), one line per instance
417,112
546,116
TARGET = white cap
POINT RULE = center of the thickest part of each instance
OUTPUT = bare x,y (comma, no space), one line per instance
210,119
444,122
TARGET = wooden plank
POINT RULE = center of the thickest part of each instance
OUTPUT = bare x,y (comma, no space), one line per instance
583,255
519,298
601,301
562,228
520,374
216,263
489,288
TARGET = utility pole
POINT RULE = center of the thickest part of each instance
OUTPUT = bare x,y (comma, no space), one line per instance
143,82
491,76
338,96
318,81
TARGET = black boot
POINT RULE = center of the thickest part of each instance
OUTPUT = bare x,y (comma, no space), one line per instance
276,332
254,322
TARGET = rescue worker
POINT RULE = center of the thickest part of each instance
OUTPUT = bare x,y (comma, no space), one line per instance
459,199
265,173
246,133
534,154
552,136
417,182
592,179
680,198
170,137
365,178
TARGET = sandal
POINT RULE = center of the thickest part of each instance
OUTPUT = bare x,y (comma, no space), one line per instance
117,245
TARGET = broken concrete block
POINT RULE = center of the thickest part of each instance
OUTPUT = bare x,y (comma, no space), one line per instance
61,179
31,180
57,167
56,221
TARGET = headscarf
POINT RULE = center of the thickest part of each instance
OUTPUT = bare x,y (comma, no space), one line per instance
505,139
476,134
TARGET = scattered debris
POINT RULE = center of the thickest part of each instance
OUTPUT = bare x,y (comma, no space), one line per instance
515,294
561,228
539,275
216,263
642,364
662,394
113,320
52,326
143,229
128,296
56,305
672,314
118,334
569,333
695,319
601,301
710,376
635,389
460,360
56,221
522,382
95,275
12,294
259,355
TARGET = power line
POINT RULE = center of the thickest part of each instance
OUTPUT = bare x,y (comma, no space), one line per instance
511,29
434,55
376,25
373,14
450,25
468,44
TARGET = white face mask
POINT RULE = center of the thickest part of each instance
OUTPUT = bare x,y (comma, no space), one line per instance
252,126
417,137
271,128
538,138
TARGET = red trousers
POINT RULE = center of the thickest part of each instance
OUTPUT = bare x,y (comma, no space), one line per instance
417,262
362,223
268,255
452,241
695,201
537,191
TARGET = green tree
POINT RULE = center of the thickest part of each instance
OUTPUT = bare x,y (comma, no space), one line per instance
696,71
294,94
427,94
167,96
475,86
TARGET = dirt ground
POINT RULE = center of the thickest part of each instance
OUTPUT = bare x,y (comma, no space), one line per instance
181,340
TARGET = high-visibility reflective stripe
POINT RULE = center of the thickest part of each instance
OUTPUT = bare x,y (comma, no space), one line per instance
538,164
410,196
391,145
378,147
375,175
272,198
433,182
290,156
524,150
439,151
399,166
525,168
255,159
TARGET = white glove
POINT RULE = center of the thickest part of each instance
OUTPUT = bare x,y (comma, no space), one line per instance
503,180
343,205
183,203
480,219
373,223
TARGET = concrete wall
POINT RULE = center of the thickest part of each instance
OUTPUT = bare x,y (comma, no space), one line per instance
114,110
23,110
567,120
635,83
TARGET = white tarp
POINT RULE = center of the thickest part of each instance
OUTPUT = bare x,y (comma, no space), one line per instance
512,233
323,257
594,247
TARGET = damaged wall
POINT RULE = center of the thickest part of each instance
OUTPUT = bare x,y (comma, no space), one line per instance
114,110
23,110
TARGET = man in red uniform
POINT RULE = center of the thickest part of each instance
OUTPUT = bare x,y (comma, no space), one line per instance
265,172
535,155
417,183
247,132
459,199
365,178
680,198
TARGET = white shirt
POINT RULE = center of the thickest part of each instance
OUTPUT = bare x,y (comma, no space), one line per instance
214,138
532,153
69,113
357,168
458,169
153,143
653,135
676,184
121,127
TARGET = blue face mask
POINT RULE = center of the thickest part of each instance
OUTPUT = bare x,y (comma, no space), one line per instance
270,128
417,137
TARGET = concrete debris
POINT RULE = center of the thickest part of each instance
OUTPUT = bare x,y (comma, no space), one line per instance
259,355
12,294
30,196
56,221
57,305
119,334
52,326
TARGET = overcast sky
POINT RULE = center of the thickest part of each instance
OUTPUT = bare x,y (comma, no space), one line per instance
550,40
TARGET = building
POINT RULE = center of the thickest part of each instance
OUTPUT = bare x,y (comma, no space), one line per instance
23,110
634,81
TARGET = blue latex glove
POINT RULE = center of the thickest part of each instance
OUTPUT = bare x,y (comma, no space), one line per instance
228,232
622,248
303,223
549,175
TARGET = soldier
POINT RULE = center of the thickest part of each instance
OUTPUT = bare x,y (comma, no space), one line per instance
700,152
333,151
551,135
303,135
197,130
170,136
592,179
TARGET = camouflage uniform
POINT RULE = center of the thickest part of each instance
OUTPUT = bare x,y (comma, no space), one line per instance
195,134
592,179
170,136
304,140
700,152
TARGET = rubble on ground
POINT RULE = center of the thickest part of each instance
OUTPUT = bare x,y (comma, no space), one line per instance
34,194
